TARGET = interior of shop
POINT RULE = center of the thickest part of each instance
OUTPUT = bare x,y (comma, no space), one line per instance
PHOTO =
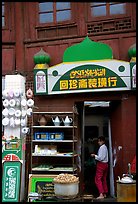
95,119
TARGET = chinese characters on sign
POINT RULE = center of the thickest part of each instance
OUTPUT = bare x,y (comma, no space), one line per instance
45,188
40,82
88,79
87,76
134,77
11,181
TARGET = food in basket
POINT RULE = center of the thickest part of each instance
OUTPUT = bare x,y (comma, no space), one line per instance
65,178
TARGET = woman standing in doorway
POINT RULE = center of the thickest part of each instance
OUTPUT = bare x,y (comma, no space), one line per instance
101,168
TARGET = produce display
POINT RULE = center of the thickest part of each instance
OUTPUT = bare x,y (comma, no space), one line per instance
66,178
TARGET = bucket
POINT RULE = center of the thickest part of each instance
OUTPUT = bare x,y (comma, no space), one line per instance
66,190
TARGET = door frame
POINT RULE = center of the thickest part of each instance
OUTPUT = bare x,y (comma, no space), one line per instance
111,178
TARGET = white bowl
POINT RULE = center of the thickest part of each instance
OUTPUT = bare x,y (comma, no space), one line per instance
18,102
11,94
23,113
18,113
12,102
25,130
5,103
23,102
17,121
30,102
11,111
5,121
17,93
21,92
29,111
5,93
23,122
12,122
5,112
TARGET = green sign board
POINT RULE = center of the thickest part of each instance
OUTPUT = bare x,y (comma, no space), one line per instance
88,77
42,184
11,181
84,76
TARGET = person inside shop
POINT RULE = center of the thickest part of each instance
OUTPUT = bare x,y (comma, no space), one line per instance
101,168
91,146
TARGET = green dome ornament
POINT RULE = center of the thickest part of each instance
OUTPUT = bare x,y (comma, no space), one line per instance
87,50
132,51
41,57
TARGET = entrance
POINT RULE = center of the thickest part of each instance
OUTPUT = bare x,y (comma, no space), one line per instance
95,121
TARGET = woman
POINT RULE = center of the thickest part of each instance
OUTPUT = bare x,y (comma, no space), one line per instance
101,168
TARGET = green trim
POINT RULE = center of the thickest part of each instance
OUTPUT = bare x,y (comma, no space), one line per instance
87,50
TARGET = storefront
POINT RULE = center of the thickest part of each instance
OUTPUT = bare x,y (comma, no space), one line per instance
89,94
102,90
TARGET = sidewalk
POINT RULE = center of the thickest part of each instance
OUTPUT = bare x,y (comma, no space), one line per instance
110,199
85,198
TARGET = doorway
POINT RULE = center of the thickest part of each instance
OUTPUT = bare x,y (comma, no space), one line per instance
95,121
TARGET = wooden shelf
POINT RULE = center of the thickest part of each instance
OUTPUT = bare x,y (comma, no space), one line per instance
49,113
38,126
54,141
54,155
65,146
55,169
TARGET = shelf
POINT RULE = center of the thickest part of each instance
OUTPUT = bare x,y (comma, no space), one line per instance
54,141
63,169
52,113
38,126
54,155
63,160
56,169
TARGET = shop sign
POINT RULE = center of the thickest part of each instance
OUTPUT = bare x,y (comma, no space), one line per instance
42,184
12,150
90,76
40,81
133,75
11,181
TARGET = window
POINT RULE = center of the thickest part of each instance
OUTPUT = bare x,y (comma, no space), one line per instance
107,9
3,14
54,12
